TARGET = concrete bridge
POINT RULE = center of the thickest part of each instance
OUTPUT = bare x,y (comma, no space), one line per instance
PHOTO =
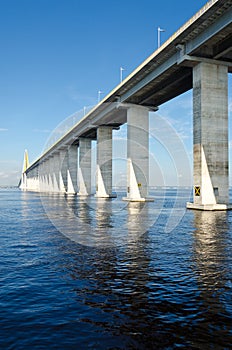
199,57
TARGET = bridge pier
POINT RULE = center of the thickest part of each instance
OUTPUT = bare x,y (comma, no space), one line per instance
55,170
137,154
72,170
210,137
41,176
45,174
50,174
84,171
104,162
23,185
63,170
32,181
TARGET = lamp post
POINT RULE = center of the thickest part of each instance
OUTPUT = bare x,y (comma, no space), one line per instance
99,96
121,70
159,30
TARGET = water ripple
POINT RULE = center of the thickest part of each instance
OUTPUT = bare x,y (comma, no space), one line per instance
162,290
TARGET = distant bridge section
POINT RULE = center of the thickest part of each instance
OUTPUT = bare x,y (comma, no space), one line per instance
198,56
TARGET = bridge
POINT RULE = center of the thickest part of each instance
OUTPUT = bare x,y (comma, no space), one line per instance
199,57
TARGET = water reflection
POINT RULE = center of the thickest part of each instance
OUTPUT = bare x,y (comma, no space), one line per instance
98,221
158,290
209,246
104,213
212,264
114,286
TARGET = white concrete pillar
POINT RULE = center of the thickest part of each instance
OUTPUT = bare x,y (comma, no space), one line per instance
46,175
104,162
55,172
23,184
72,170
36,179
137,154
41,177
63,170
84,171
44,180
32,180
50,174
210,137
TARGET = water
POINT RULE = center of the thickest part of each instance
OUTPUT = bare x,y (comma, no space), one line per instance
145,277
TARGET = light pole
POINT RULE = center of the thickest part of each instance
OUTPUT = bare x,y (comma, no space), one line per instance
159,30
99,96
121,70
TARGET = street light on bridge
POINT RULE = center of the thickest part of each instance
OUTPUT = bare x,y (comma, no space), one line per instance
99,95
121,70
159,30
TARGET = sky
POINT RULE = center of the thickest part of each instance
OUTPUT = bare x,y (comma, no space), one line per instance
57,54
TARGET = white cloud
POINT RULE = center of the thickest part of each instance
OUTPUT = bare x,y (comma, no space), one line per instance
3,129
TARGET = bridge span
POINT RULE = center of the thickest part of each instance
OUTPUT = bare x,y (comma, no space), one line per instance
199,57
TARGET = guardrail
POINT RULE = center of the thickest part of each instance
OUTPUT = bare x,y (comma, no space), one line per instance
66,125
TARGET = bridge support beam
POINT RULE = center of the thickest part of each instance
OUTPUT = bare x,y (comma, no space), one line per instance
137,154
210,137
72,170
104,162
84,171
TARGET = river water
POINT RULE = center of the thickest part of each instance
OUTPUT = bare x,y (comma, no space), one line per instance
80,273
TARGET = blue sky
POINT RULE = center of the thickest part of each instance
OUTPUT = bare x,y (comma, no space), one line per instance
57,54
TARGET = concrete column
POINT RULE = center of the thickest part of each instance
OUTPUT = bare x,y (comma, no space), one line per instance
32,180
63,170
137,154
84,171
72,170
50,174
55,172
44,181
104,162
37,179
46,176
210,137
41,178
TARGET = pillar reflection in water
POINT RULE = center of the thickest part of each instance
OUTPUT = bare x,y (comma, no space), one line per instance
140,217
212,263
99,222
209,247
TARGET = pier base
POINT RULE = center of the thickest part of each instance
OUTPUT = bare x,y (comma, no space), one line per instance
210,207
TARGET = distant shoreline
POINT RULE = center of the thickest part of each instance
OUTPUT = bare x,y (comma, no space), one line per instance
5,187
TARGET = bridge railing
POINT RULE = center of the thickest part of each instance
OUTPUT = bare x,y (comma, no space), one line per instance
66,125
